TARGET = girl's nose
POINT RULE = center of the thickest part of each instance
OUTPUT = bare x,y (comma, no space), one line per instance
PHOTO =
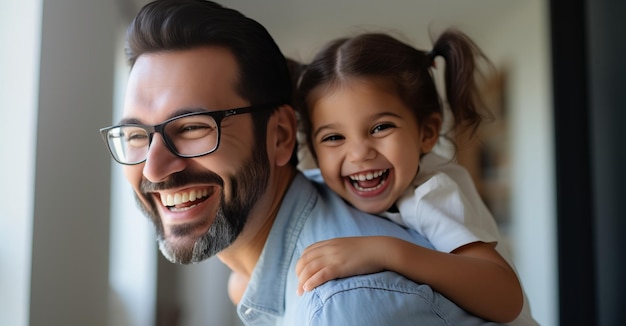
361,151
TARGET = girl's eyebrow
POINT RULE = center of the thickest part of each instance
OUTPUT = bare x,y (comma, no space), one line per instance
321,128
387,113
172,115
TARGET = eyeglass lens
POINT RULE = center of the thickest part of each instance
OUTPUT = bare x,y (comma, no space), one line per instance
187,136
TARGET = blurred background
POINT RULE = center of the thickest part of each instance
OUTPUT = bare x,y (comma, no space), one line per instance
74,250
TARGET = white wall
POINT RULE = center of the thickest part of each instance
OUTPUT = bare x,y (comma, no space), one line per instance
202,294
69,275
521,44
20,26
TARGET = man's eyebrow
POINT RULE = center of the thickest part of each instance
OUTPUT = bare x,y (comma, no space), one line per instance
137,121
129,121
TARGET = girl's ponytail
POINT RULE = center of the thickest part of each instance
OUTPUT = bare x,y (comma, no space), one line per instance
462,58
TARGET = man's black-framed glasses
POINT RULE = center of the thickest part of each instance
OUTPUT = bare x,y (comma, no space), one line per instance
189,135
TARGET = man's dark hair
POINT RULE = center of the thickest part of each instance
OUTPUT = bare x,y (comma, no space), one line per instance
169,25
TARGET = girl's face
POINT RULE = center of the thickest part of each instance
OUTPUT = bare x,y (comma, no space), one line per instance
368,142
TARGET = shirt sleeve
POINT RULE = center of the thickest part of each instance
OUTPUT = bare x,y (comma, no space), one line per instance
364,300
446,216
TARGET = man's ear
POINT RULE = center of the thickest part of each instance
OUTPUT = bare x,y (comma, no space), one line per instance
431,126
285,125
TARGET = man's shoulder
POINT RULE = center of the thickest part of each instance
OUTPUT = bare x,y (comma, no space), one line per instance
390,282
384,298
313,175
332,217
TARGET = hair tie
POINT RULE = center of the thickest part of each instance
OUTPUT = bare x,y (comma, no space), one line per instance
431,58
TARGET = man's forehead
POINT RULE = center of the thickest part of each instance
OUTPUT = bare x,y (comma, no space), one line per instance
211,64
164,82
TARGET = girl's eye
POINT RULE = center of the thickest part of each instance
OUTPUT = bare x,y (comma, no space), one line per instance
381,127
331,138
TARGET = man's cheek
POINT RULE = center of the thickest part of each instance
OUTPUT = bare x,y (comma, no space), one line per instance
133,174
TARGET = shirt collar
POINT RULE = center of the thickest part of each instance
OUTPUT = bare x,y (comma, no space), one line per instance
263,297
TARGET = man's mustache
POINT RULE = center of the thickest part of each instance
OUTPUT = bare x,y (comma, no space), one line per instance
180,179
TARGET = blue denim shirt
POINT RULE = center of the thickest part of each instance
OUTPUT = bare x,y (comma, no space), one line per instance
311,212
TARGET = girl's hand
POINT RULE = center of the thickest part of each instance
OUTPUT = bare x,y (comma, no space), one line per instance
337,258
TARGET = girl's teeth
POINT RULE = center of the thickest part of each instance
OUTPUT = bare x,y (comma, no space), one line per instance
368,176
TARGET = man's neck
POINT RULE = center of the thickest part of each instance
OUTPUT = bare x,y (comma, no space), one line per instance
241,257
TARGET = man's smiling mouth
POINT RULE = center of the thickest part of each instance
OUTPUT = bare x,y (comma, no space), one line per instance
185,200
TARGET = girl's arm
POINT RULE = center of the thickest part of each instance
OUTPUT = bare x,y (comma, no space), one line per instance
474,276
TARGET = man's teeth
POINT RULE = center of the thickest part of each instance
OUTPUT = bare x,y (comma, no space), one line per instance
367,176
183,197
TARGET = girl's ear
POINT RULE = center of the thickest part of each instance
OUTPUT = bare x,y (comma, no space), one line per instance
285,134
431,126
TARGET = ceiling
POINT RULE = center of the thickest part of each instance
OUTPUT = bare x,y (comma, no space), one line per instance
301,26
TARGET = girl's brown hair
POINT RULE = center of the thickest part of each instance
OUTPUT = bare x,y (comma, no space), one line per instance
405,69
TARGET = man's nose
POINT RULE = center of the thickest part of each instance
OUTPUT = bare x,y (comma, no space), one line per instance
160,161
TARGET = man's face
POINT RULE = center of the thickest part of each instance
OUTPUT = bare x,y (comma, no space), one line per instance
198,205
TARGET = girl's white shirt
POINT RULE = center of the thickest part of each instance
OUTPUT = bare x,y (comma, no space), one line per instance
444,206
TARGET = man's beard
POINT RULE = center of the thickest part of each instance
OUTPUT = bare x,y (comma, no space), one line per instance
248,184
